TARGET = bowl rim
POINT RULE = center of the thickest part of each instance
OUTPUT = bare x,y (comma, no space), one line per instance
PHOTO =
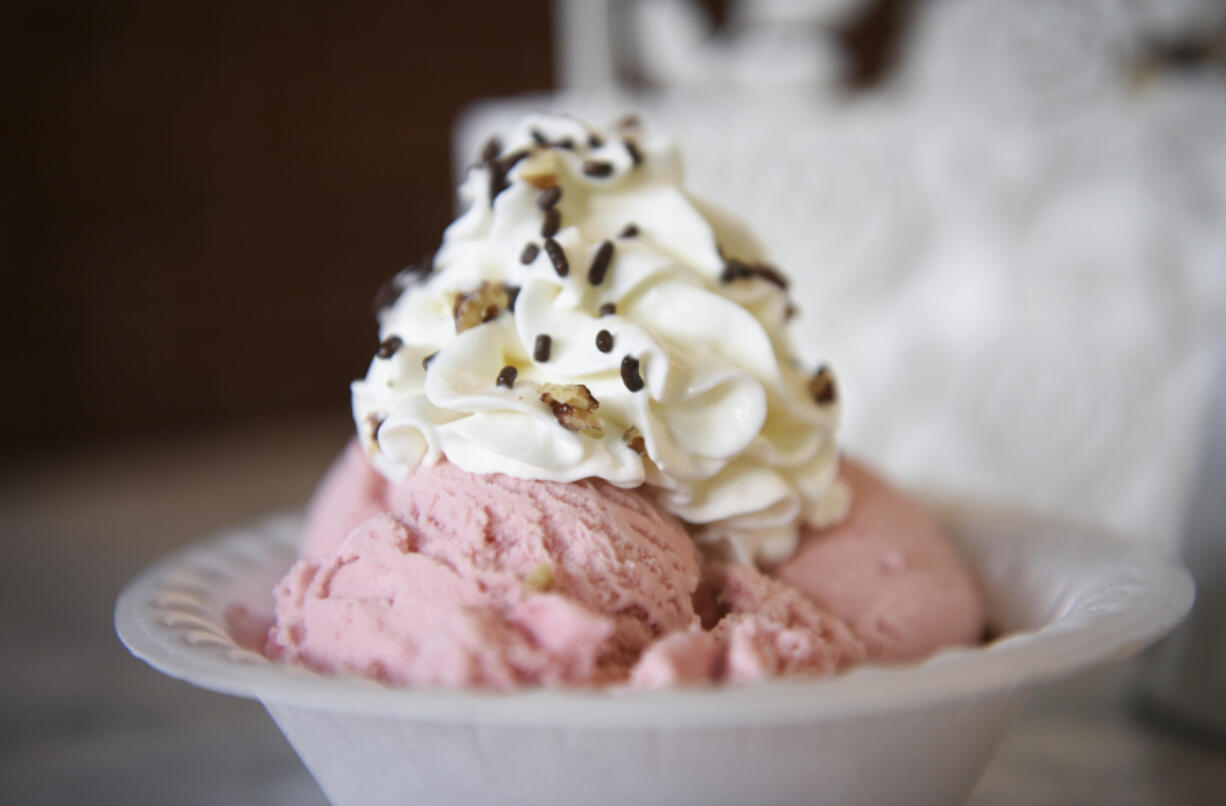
1139,597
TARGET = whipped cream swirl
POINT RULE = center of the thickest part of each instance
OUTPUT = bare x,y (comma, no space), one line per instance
585,316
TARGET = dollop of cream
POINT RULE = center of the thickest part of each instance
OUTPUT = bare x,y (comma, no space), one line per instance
632,334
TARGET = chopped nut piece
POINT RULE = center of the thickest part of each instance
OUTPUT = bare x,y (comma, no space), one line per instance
539,579
480,305
541,172
375,422
574,407
634,440
541,181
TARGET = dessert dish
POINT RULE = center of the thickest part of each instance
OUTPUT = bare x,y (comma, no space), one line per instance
568,675
586,455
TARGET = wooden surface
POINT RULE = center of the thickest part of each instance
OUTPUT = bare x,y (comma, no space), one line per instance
85,723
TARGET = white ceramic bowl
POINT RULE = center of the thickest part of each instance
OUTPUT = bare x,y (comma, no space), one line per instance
1063,598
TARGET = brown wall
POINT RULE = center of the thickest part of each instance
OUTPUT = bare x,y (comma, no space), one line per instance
198,199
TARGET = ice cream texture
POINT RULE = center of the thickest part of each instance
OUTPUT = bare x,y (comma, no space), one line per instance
585,456
496,582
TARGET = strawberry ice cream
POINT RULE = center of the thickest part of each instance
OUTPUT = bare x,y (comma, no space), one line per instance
491,581
586,455
889,573
496,582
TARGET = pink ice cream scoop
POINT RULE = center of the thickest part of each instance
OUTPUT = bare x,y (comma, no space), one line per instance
890,573
758,628
455,579
489,581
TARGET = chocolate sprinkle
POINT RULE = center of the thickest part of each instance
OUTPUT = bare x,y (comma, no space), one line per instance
529,254
539,138
772,275
387,294
595,140
549,198
600,263
632,149
553,222
491,150
557,257
506,377
604,341
513,159
542,347
733,269
499,168
607,309
389,346
395,285
822,387
740,270
425,362
498,180
630,373
597,168
629,231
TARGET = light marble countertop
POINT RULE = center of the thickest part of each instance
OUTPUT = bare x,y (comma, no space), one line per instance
83,722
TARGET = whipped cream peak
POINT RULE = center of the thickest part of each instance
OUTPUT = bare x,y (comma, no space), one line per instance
586,317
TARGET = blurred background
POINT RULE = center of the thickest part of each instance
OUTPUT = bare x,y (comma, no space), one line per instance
1005,220
200,199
